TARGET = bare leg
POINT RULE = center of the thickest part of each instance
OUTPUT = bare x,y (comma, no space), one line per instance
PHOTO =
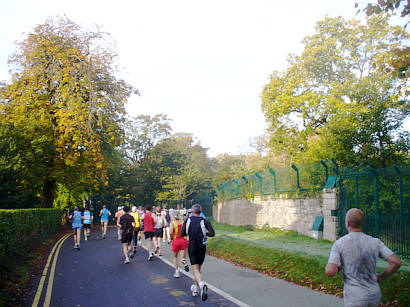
149,245
105,227
125,250
175,260
197,273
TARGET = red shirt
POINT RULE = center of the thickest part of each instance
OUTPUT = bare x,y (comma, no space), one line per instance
148,222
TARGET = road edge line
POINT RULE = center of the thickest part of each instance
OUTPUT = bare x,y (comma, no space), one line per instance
212,287
44,274
49,291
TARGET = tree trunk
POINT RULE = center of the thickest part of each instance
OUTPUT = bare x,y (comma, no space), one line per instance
48,193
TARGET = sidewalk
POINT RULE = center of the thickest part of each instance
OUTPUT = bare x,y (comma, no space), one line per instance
251,288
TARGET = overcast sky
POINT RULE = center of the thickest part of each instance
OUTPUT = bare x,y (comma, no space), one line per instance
202,63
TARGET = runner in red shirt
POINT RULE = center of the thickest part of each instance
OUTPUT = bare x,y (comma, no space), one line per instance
149,231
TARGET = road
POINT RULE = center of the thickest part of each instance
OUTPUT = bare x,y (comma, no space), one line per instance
97,276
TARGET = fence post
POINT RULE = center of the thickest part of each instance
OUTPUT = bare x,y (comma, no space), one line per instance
335,166
356,191
274,179
231,190
297,175
376,198
401,203
237,186
260,182
326,169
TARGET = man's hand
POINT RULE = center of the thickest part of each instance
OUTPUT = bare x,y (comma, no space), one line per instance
394,265
332,269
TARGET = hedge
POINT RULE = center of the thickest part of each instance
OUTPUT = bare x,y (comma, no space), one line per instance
20,229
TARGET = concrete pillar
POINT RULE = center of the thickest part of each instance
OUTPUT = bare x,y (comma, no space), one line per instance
331,223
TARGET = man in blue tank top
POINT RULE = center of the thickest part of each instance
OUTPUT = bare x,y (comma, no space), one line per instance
104,214
87,220
77,225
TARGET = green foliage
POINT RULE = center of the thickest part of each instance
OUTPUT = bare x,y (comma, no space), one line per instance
335,100
20,229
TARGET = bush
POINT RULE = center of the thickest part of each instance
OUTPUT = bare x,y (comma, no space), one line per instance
20,229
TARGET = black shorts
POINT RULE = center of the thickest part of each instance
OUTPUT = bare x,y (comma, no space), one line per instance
148,234
126,237
159,232
87,226
196,252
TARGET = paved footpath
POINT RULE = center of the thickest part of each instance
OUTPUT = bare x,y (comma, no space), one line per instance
97,276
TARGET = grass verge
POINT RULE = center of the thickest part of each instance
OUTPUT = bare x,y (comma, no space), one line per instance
299,268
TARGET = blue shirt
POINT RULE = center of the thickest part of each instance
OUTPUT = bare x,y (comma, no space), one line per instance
104,216
77,218
87,217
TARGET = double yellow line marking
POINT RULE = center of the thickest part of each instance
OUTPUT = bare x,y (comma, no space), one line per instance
47,299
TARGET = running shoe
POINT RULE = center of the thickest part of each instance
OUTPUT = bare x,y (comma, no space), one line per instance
185,264
194,290
131,254
150,256
204,291
85,239
127,260
177,274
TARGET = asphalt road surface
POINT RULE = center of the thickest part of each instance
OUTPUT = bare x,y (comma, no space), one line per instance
97,276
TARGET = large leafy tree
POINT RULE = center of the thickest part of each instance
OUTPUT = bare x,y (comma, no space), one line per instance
334,100
65,97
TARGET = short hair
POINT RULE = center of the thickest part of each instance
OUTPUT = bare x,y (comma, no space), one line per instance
196,209
158,209
355,217
126,208
148,207
104,206
87,207
176,215
75,208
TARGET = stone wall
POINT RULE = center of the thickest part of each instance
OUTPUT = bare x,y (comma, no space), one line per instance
286,214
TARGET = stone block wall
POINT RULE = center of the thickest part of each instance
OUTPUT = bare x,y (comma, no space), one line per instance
286,214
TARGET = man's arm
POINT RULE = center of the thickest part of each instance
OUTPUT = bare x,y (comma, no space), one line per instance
332,269
211,231
394,264
183,229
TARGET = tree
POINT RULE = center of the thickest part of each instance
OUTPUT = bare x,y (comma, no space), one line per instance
64,96
325,104
143,132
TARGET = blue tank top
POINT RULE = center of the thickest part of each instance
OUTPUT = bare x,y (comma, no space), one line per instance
104,216
87,217
77,218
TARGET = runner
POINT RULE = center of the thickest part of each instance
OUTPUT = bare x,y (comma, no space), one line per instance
136,217
77,225
167,216
104,213
197,228
117,217
158,230
88,218
140,214
179,243
126,225
149,220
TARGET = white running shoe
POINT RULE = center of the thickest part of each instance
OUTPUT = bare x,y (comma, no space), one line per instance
85,239
127,260
177,274
150,256
194,290
204,290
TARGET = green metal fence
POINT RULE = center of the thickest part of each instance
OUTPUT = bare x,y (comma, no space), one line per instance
384,197
296,178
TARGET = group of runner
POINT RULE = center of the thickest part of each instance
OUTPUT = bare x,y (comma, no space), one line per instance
186,230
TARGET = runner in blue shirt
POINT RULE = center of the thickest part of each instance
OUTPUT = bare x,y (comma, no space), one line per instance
104,214
77,225
87,220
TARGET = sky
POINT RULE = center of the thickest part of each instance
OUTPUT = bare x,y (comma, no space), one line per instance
202,63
